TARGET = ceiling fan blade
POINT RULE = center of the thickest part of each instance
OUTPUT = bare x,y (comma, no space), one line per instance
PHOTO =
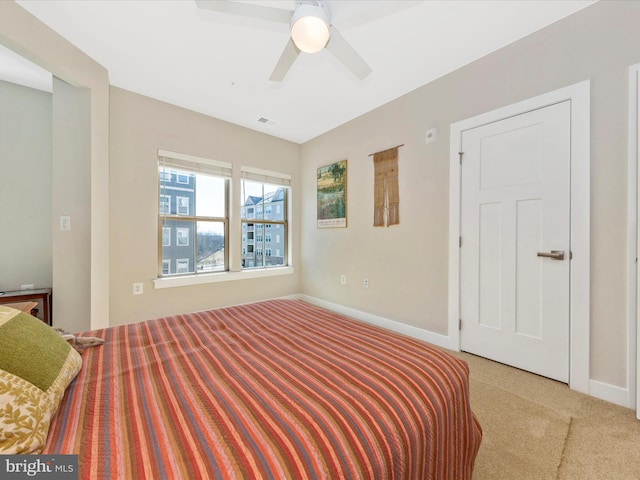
289,55
344,52
247,10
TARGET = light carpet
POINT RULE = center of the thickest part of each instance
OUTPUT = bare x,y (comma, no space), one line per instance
536,428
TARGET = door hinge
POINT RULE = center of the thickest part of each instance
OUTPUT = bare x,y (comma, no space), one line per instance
459,324
460,154
460,242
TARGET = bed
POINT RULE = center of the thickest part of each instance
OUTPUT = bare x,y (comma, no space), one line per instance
277,389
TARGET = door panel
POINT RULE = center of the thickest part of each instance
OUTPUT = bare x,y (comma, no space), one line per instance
515,194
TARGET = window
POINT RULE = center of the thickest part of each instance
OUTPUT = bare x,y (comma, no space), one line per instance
166,236
199,216
182,236
194,211
182,205
165,203
264,207
182,265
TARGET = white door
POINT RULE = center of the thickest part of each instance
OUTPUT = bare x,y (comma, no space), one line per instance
515,241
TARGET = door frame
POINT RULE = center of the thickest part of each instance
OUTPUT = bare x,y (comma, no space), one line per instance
633,362
579,96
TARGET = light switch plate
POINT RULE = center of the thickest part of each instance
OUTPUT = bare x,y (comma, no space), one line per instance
65,222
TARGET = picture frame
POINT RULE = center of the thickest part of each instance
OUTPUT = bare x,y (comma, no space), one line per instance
332,195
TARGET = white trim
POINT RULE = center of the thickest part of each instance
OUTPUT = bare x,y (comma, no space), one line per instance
633,289
610,393
411,331
200,279
579,95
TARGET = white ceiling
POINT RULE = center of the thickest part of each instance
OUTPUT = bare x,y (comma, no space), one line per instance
219,64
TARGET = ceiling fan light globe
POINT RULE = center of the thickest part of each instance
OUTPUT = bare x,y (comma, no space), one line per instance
310,34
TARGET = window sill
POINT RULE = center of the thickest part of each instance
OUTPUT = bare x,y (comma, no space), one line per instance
183,281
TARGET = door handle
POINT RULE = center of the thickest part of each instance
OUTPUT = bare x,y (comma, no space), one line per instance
555,254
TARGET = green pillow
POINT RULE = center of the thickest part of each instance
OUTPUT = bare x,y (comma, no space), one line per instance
36,366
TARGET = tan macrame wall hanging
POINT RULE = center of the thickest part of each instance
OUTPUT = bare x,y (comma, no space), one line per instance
386,193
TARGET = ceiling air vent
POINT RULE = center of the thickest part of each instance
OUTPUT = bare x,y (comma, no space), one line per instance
266,121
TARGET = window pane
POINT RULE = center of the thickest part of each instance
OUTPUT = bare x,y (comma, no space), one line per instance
263,244
180,246
193,245
210,196
262,201
210,246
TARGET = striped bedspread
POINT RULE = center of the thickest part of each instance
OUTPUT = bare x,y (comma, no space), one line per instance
276,390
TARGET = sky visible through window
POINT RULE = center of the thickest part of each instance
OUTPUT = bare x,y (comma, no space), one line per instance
210,199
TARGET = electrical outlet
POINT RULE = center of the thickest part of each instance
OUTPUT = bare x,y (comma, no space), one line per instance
28,286
137,288
365,282
343,279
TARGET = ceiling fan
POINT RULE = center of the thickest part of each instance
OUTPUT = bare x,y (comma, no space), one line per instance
310,28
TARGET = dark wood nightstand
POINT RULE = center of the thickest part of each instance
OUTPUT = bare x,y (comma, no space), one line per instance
43,294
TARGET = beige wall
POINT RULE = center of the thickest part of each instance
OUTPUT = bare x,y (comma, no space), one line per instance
25,187
407,264
27,36
71,196
139,126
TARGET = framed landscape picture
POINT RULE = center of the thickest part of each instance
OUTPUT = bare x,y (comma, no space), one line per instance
332,195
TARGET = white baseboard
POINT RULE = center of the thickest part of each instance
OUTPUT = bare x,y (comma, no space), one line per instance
601,390
436,339
610,393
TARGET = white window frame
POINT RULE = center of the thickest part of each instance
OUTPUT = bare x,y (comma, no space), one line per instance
259,221
188,167
166,265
